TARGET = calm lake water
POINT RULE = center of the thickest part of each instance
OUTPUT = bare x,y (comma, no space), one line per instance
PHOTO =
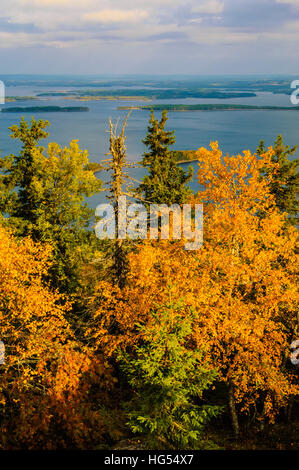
234,130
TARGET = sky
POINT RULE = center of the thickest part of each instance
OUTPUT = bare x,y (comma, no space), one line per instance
149,37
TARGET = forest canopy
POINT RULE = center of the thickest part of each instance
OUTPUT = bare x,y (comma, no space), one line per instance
141,341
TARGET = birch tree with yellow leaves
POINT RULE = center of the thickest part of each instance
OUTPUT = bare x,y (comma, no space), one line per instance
241,285
47,378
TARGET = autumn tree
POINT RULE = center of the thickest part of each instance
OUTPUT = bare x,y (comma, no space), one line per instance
49,381
283,177
43,192
165,183
241,285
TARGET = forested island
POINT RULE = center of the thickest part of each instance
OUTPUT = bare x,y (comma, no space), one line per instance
12,99
148,89
46,109
184,156
147,94
225,84
208,107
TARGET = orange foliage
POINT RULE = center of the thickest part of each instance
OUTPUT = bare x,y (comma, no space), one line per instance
47,380
241,285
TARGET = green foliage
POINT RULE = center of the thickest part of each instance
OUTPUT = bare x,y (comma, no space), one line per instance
43,192
166,182
168,377
285,185
19,170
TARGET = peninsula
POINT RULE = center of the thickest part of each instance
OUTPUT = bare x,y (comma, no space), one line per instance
209,107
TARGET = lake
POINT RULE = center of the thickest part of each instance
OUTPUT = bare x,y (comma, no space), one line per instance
234,130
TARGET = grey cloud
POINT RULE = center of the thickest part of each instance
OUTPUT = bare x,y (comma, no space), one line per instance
171,35
241,15
7,26
257,15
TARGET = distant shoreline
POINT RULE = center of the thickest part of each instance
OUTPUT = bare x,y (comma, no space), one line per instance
146,94
187,161
13,99
46,109
208,107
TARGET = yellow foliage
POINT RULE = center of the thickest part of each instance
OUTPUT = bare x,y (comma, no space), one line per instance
241,285
46,381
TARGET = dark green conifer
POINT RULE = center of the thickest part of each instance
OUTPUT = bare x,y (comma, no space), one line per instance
166,182
285,180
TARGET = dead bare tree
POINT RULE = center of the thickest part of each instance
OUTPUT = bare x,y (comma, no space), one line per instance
120,184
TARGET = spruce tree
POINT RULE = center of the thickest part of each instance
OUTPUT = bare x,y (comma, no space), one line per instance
166,182
169,379
285,179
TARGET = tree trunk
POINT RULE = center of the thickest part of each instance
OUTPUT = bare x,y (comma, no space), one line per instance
232,409
120,264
